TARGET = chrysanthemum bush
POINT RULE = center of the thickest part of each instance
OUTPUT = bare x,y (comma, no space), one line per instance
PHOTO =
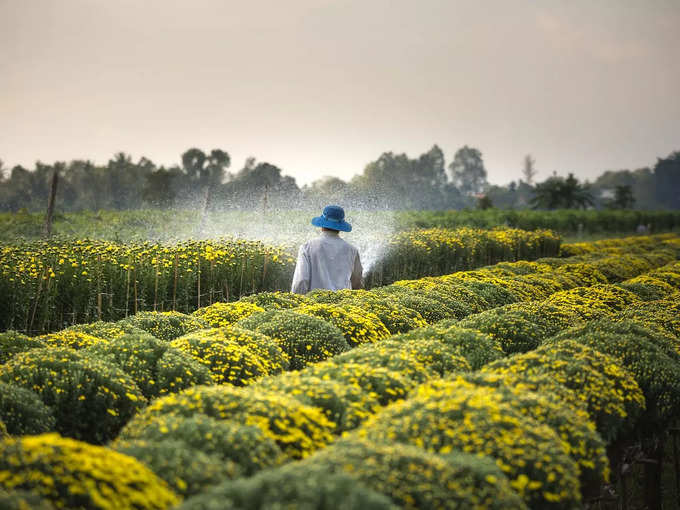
396,318
73,474
91,399
228,361
657,374
296,428
667,342
514,332
71,339
419,359
246,446
572,423
414,478
164,325
476,347
275,300
382,383
292,487
345,404
12,342
224,314
186,470
662,314
454,295
477,420
155,366
304,338
106,330
358,326
648,288
431,310
455,301
404,362
269,352
23,412
23,500
610,392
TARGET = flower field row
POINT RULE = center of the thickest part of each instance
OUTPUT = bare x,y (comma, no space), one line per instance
512,386
47,285
434,252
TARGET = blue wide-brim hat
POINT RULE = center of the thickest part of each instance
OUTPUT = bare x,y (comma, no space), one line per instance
333,217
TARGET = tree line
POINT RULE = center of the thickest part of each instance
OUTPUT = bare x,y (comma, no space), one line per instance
393,181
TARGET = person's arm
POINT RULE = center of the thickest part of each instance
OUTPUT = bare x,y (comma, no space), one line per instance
301,277
357,281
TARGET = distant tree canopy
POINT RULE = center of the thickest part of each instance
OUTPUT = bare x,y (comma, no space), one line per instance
393,181
559,193
467,171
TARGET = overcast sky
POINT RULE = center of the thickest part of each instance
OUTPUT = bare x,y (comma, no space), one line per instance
322,87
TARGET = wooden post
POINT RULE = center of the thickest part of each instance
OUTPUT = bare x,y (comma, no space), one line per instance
174,285
198,272
50,202
155,288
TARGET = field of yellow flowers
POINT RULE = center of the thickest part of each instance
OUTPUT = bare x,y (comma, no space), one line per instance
48,285
547,384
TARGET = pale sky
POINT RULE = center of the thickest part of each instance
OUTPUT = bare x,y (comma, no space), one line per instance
322,87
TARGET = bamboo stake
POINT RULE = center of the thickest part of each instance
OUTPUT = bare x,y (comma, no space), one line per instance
198,271
50,202
174,284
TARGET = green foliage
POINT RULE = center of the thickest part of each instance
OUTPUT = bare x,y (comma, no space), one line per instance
304,338
245,446
23,412
91,400
72,474
293,486
186,470
12,342
155,366
164,325
661,314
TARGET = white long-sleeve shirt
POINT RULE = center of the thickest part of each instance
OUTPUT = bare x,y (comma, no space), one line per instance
327,262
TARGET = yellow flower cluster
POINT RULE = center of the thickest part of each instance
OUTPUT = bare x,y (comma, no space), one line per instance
357,325
71,339
72,474
444,417
228,361
297,429
225,314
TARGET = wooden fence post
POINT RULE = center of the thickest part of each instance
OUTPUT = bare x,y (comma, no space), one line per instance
50,202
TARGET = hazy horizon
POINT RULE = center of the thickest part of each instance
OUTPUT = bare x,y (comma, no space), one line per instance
322,87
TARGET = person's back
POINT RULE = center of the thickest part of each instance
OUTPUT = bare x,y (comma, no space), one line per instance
328,262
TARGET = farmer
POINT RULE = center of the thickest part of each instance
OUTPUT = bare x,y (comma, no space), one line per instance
328,262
